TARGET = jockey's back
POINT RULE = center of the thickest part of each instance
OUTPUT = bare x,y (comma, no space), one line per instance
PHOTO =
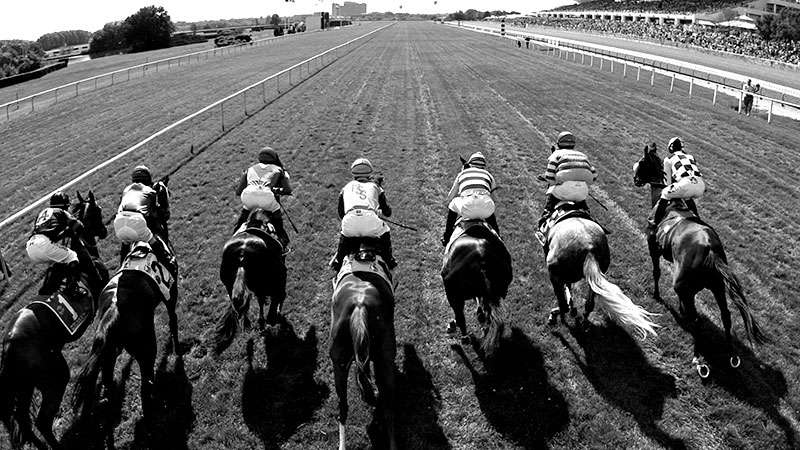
680,165
361,194
139,197
566,164
264,175
474,178
53,222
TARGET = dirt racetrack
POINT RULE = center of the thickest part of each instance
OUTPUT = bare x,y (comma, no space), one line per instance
411,100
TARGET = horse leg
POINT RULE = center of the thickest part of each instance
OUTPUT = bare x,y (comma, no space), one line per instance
587,310
52,393
725,314
261,321
384,378
460,322
341,356
689,313
563,305
171,305
655,257
23,418
275,307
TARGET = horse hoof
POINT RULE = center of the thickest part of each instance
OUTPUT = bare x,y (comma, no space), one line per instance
703,371
452,328
735,361
573,311
466,339
552,319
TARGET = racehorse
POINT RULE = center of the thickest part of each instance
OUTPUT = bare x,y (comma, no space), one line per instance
362,330
126,321
252,265
699,262
578,249
34,338
477,266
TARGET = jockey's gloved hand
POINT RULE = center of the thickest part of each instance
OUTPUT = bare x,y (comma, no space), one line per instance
77,227
277,190
379,180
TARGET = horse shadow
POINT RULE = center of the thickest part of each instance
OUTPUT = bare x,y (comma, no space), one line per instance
276,400
619,371
419,400
515,394
755,383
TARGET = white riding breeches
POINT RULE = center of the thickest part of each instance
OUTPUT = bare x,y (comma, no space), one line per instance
473,204
255,196
686,187
131,226
42,250
363,223
572,191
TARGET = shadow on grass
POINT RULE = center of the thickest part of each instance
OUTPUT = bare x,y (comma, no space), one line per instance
417,403
516,396
755,383
279,399
621,374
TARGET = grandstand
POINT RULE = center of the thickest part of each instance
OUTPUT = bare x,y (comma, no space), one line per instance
678,12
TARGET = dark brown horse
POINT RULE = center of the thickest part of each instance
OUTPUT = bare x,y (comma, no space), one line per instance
699,262
362,330
34,338
125,321
252,266
478,266
578,249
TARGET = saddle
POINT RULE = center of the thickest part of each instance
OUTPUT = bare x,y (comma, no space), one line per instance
74,311
461,227
264,230
366,259
141,258
564,210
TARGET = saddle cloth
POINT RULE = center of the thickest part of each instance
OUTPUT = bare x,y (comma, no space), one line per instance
142,259
72,313
353,265
462,226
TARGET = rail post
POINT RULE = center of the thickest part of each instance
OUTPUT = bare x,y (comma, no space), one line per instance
769,114
672,84
716,89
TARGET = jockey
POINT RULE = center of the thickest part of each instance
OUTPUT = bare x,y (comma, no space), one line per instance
261,186
362,204
139,219
569,175
471,196
686,181
52,225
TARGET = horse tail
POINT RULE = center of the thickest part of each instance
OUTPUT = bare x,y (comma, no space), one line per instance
103,338
614,302
359,332
9,394
734,290
495,315
228,324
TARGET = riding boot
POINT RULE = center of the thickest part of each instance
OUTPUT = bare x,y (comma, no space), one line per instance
550,202
241,220
71,275
277,222
341,251
124,249
492,221
690,203
449,226
163,254
659,211
52,278
386,250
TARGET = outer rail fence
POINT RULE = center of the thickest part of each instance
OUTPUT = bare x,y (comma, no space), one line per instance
74,89
213,118
718,81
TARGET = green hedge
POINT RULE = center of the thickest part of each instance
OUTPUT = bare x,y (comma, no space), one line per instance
19,56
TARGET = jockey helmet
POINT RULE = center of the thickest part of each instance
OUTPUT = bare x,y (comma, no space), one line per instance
268,155
477,160
361,168
60,200
565,140
141,174
675,145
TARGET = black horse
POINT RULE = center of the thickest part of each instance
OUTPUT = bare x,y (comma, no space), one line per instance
252,266
34,338
478,266
698,259
126,321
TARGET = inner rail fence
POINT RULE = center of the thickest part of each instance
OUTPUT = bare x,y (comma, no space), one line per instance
74,89
774,99
198,129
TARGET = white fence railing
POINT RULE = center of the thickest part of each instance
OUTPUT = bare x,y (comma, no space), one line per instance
75,88
776,99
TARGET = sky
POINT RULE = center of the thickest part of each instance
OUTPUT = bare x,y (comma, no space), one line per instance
30,19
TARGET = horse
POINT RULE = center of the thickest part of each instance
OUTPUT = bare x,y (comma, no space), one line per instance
34,338
252,266
698,260
362,330
578,249
125,321
477,266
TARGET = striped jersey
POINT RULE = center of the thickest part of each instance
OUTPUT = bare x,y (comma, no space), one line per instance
569,165
472,178
680,165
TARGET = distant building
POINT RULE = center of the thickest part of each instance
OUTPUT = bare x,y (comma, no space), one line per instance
349,9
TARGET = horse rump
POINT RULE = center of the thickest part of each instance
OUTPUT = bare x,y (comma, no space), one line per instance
10,392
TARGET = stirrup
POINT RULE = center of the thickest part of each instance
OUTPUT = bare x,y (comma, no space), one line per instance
540,237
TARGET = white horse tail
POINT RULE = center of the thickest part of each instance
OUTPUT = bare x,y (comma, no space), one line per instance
614,302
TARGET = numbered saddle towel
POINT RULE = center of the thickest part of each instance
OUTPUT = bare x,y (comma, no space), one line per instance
375,264
74,313
142,259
